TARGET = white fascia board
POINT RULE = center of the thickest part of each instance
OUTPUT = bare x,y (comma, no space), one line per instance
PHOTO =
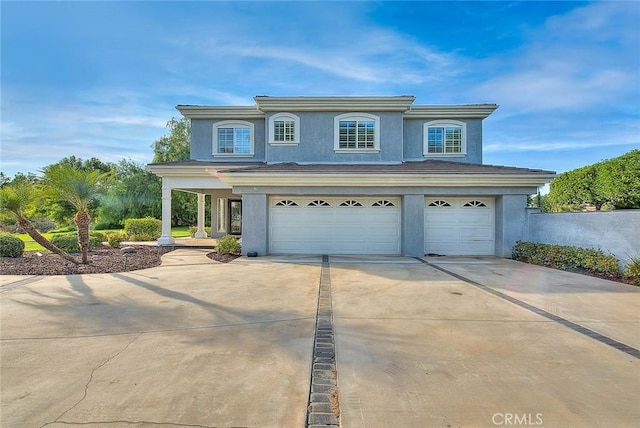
399,103
470,111
386,180
190,170
220,112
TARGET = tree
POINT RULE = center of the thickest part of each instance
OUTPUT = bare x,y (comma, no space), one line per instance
15,199
175,147
614,182
77,187
137,193
4,179
62,211
575,187
618,181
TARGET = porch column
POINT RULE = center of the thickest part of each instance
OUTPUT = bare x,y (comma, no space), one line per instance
166,238
200,233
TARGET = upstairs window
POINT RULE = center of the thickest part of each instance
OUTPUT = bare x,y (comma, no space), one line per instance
444,138
357,133
233,138
284,129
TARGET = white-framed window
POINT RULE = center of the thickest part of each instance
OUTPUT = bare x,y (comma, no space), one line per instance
445,138
356,132
233,138
284,129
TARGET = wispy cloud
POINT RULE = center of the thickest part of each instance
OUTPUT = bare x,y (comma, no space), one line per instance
575,62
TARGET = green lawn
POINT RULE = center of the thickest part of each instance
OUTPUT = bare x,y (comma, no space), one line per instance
31,245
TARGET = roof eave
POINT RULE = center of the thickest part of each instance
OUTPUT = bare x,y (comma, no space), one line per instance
347,103
467,111
191,170
220,112
385,180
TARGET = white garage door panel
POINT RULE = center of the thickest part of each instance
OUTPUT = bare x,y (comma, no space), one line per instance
348,225
459,226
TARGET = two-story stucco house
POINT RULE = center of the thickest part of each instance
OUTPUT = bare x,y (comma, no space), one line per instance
350,175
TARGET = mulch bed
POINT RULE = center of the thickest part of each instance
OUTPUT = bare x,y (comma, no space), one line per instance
102,259
616,278
222,258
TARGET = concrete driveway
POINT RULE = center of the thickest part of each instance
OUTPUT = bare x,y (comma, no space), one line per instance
196,343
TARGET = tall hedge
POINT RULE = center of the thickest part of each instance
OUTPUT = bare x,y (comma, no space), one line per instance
614,182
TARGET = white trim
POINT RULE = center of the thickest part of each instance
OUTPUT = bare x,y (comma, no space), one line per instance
191,170
465,111
356,117
220,112
348,103
386,180
233,124
296,129
443,123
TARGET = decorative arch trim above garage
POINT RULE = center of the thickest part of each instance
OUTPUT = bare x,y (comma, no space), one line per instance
459,226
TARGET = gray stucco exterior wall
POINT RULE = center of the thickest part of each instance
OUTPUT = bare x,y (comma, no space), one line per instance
617,232
413,131
413,225
317,141
510,222
255,216
202,142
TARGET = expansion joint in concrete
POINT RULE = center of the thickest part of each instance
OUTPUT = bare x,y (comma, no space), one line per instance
323,407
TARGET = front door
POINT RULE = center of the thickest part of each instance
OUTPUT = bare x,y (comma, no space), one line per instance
235,217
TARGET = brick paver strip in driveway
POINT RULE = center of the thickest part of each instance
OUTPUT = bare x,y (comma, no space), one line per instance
323,409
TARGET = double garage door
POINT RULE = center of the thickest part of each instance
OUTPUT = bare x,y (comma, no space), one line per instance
330,225
372,225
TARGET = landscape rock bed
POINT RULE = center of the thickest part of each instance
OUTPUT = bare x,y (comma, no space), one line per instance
102,259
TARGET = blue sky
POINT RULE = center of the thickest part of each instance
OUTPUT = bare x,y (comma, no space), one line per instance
102,78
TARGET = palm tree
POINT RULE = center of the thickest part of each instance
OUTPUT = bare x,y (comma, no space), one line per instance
79,187
15,199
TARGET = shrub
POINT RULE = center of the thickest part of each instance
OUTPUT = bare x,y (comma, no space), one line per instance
10,246
65,229
632,270
100,236
68,242
43,224
228,245
143,229
105,225
115,239
194,229
565,257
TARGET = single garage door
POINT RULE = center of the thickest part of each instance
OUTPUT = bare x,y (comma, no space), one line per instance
459,226
330,225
